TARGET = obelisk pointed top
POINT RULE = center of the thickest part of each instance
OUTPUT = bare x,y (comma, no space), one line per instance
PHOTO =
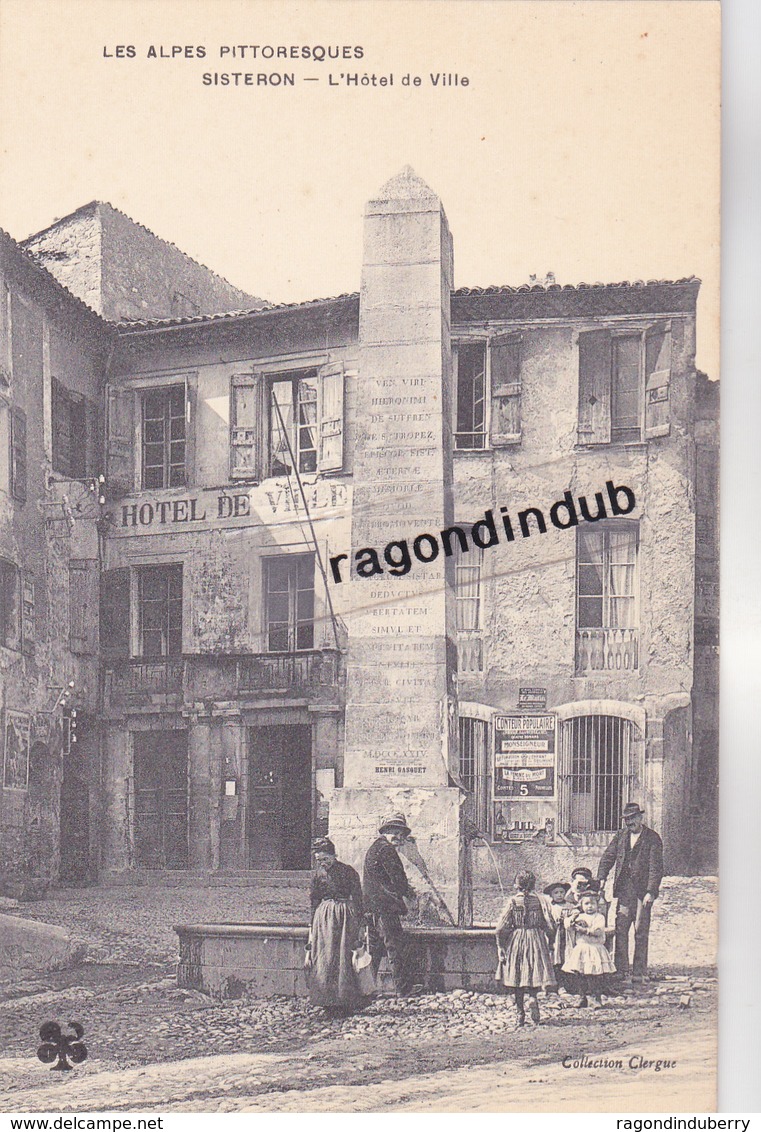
406,186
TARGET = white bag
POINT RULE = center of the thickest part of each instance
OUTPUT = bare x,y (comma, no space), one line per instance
362,962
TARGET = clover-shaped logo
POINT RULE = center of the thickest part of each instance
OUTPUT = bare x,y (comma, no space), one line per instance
56,1044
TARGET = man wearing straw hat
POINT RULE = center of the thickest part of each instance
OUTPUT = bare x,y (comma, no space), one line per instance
637,854
385,887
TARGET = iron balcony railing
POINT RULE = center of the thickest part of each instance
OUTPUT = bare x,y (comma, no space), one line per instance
139,681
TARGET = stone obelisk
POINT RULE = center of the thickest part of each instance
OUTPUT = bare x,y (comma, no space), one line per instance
400,697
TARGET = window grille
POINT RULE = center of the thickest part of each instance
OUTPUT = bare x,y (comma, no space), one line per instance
596,769
474,775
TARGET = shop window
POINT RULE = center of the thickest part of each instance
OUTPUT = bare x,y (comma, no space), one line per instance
474,773
160,610
10,625
468,608
289,602
596,773
607,632
164,437
287,422
70,432
624,384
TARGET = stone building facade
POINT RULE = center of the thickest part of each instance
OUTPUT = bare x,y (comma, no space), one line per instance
53,352
510,687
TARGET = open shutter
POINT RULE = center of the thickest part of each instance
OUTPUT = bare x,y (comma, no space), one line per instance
28,616
115,614
657,380
594,387
120,441
93,463
83,606
247,420
331,418
18,454
505,355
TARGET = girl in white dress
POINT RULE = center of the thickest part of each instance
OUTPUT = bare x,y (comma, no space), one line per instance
587,957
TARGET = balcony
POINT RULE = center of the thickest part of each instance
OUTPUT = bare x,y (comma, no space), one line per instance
134,682
285,672
137,682
606,650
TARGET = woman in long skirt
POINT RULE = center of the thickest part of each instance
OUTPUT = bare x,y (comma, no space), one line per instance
524,930
337,929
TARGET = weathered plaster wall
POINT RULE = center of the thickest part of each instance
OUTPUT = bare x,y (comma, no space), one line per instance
529,584
37,538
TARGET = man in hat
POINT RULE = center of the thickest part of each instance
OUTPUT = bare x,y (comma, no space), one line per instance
385,887
637,854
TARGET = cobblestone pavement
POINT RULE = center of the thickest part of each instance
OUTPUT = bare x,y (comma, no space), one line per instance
155,1046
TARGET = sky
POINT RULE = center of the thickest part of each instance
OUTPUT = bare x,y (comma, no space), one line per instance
585,143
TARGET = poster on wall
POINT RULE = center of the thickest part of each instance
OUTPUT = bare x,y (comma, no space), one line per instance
524,756
16,758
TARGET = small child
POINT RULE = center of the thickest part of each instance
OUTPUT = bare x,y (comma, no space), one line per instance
587,957
559,910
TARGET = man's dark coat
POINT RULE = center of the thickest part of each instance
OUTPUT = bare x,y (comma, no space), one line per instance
645,862
384,881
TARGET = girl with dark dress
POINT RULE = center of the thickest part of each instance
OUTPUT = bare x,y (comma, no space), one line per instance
337,929
524,930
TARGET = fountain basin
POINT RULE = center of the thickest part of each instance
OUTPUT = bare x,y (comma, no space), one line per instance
264,960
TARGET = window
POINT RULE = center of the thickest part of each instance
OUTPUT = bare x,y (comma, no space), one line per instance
624,381
503,425
164,437
596,770
293,425
9,607
471,395
69,415
606,603
289,602
286,422
468,608
474,775
160,610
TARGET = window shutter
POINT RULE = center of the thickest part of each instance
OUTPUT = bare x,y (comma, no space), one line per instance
28,617
10,605
331,418
92,460
83,606
115,614
505,353
594,387
120,441
657,380
247,419
18,454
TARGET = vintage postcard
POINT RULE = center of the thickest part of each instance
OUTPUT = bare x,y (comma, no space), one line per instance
359,460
